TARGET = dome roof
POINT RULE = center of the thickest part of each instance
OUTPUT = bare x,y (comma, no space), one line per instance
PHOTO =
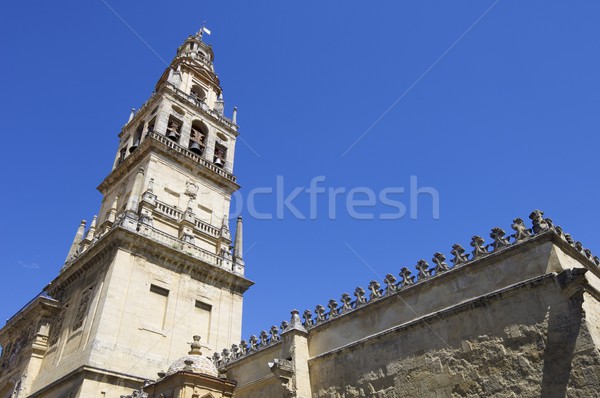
194,362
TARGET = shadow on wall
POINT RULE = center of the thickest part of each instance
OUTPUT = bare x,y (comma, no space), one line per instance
564,328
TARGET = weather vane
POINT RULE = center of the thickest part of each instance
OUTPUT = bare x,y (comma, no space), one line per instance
203,30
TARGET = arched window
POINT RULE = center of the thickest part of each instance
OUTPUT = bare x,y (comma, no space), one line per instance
220,155
198,137
198,93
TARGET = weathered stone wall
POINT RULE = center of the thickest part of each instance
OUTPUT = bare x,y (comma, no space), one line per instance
530,341
520,322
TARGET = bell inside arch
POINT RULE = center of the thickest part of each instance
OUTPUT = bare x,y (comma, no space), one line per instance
134,146
196,148
172,135
219,162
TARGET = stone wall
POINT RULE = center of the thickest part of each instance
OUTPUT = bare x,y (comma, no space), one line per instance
515,319
529,341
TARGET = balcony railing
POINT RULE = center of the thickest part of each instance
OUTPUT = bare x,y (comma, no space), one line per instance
188,248
177,214
178,148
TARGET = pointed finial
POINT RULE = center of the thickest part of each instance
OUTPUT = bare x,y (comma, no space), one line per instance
234,117
295,322
238,247
76,241
196,346
111,215
225,233
131,115
92,231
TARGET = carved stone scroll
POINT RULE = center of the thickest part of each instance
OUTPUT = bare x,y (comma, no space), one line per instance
521,231
459,255
479,248
440,263
500,241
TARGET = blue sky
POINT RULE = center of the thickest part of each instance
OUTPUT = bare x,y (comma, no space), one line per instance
496,109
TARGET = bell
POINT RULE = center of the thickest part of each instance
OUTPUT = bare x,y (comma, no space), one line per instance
172,135
218,162
134,146
196,148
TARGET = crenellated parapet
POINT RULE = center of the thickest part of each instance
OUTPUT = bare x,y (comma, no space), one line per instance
423,273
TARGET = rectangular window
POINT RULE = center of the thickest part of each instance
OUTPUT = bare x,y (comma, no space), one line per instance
156,306
202,319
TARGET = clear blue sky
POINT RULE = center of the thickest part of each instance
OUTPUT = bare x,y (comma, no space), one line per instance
505,122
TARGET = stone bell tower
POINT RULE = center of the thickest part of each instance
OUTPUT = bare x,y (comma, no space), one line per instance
157,265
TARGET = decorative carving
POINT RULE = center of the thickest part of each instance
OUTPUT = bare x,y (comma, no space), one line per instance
333,312
283,370
243,347
521,231
346,303
359,293
390,284
253,344
226,356
479,248
216,358
597,260
274,334
500,241
82,310
308,322
423,268
284,326
459,256
406,278
235,352
320,314
569,239
195,346
588,254
539,224
264,339
440,263
191,189
579,246
374,289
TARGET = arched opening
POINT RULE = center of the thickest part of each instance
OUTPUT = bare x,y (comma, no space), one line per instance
220,155
198,137
198,93
174,129
137,137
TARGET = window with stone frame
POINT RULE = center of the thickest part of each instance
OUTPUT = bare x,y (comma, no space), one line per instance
203,315
82,310
156,306
57,326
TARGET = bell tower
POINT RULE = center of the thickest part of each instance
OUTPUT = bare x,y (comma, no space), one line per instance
157,264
